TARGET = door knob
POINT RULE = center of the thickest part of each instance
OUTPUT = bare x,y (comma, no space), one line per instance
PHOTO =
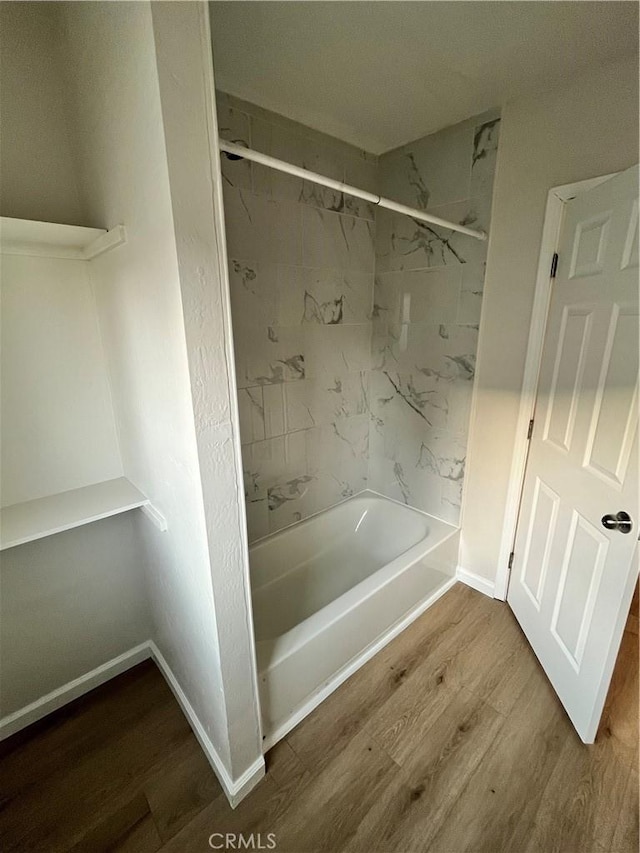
621,522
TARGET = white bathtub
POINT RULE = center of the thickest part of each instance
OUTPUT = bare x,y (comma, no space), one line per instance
330,591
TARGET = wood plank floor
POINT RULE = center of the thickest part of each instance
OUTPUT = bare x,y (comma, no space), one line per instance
450,740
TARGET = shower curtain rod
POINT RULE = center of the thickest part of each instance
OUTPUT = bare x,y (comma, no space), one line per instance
240,152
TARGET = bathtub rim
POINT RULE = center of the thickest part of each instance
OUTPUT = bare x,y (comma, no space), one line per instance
270,739
278,648
262,539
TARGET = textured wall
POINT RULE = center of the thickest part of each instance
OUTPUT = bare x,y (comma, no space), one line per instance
427,302
111,60
301,263
195,179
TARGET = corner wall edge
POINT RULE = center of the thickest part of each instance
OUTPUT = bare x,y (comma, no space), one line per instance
475,581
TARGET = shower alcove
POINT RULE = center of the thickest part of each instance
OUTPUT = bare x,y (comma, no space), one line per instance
355,333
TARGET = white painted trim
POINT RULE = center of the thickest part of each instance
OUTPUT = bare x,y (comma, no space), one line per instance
45,239
35,711
155,517
114,237
36,519
341,676
235,789
554,215
55,240
477,582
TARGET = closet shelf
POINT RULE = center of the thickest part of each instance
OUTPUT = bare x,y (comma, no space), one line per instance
36,519
53,240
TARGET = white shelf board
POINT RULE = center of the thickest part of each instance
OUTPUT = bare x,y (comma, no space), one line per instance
36,519
53,240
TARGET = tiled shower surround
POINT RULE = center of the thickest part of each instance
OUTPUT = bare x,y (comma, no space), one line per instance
427,301
301,264
344,384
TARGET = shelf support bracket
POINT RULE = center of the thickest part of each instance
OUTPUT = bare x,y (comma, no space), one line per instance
155,517
115,237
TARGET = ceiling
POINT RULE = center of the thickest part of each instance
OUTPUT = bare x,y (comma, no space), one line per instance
379,74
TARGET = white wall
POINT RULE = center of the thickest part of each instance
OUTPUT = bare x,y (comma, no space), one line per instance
57,425
188,110
587,128
114,99
37,177
70,603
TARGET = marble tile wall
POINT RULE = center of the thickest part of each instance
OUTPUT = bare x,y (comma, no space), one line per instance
301,264
346,380
427,303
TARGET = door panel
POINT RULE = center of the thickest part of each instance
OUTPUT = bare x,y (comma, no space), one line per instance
615,411
590,246
578,587
630,252
573,342
544,514
572,578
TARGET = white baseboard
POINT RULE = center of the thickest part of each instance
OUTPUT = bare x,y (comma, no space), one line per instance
327,689
35,711
235,789
475,581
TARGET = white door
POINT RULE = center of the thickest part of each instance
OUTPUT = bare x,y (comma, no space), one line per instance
573,572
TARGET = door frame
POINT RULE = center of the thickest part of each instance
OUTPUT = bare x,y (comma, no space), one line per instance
553,221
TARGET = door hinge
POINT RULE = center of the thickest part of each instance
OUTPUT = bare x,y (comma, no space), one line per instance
554,265
530,430
511,555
